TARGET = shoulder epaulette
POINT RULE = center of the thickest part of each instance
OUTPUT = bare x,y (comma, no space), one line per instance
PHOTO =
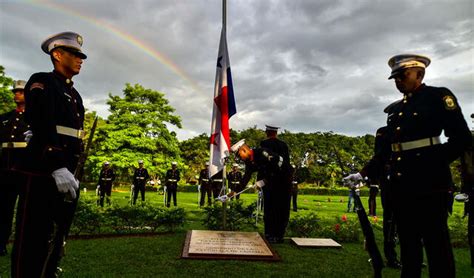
391,105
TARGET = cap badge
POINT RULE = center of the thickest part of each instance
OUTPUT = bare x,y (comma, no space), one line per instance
79,40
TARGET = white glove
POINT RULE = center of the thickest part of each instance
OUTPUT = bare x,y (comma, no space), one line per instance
222,198
463,197
259,184
66,182
28,134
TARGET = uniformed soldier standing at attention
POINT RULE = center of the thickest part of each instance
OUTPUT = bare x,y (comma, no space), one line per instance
54,111
294,188
12,150
106,178
275,175
419,165
205,184
172,177
216,185
140,177
234,178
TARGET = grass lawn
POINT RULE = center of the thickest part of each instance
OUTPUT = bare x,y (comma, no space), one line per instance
159,256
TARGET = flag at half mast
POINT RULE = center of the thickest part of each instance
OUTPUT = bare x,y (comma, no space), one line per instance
224,108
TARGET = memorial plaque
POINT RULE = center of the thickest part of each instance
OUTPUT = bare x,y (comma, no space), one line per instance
227,245
315,242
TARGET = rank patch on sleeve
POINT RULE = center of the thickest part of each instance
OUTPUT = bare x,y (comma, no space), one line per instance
37,86
449,103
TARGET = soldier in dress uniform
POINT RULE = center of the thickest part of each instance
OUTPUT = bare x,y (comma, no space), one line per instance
106,178
274,174
216,185
419,171
12,150
172,177
279,193
234,179
373,192
140,177
294,188
55,113
205,184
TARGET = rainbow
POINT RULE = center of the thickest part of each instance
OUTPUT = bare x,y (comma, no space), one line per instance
55,7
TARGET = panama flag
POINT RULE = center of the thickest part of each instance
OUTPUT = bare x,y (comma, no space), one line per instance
224,108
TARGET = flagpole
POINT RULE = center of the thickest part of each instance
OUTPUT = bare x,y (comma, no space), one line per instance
224,171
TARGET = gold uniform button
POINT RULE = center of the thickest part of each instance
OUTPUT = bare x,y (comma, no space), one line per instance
399,174
398,128
399,158
50,149
17,119
78,114
14,127
405,101
415,114
400,114
13,136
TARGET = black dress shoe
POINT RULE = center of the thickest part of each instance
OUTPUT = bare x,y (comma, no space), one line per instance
394,264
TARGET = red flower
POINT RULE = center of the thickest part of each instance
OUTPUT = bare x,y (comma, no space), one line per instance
344,218
337,228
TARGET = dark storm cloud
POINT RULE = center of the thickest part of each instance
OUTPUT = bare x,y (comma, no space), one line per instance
305,65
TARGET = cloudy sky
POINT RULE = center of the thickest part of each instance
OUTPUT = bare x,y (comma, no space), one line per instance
304,65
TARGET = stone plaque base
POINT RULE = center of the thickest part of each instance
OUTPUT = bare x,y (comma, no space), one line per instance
227,245
315,242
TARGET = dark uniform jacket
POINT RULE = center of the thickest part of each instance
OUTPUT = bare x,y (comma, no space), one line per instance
140,177
172,178
269,165
52,101
424,114
12,140
235,179
204,178
106,176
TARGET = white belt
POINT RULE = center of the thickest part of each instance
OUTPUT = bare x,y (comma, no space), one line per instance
14,145
410,145
106,179
217,180
141,178
235,182
170,180
76,133
205,179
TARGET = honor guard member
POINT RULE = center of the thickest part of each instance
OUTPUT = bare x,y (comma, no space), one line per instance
12,150
234,179
205,184
275,176
140,177
172,177
373,192
106,178
216,184
55,113
419,171
281,192
294,187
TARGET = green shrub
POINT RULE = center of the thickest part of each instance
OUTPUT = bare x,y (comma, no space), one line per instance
310,225
91,219
238,216
304,226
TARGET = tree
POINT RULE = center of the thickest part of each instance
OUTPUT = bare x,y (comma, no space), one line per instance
195,153
6,96
137,129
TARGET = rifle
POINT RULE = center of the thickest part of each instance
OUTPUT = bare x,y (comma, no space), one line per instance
371,245
79,172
